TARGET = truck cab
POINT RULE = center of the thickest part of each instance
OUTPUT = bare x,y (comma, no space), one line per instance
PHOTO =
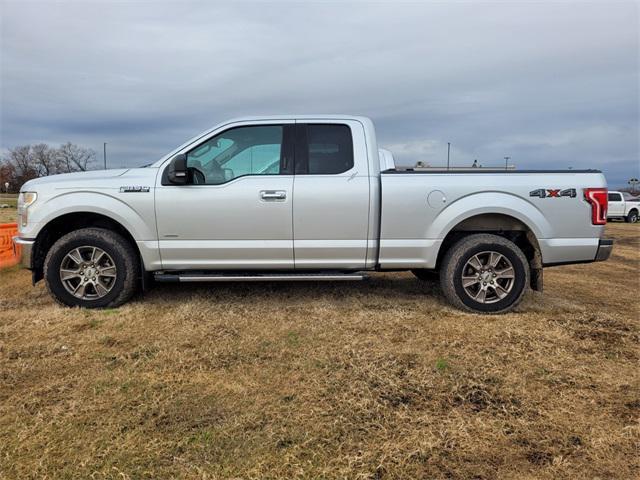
256,183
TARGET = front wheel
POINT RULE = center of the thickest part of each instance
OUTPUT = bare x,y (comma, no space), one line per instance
484,273
92,268
632,217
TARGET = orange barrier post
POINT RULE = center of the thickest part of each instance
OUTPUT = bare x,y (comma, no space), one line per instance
8,257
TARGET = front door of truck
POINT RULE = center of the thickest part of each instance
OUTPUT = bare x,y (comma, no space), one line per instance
616,205
331,197
235,212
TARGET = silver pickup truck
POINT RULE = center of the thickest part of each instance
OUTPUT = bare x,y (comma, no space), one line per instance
305,198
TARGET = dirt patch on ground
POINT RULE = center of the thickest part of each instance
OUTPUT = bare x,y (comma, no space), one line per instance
380,379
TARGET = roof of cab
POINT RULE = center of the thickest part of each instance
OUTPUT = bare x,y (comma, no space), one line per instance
306,116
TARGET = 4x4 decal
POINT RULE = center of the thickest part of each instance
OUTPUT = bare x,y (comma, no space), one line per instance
553,193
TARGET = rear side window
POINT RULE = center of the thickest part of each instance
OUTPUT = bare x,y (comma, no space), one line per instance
615,197
329,149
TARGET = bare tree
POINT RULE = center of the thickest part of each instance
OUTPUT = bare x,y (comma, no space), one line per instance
45,159
7,175
74,158
25,162
24,167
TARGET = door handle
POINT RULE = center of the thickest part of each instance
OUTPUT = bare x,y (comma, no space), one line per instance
273,194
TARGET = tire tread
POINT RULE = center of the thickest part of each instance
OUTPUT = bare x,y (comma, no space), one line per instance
456,254
122,247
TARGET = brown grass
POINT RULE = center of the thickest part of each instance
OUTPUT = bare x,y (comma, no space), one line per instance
8,215
368,380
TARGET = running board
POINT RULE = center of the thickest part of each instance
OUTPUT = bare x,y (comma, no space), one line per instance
257,277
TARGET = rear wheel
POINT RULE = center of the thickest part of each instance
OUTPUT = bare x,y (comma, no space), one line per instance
632,217
484,273
92,268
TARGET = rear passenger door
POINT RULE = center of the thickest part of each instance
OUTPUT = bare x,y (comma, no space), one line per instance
330,197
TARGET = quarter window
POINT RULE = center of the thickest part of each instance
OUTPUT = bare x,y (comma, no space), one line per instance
252,150
330,149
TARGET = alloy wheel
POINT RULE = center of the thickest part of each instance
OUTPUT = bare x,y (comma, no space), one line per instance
88,272
488,277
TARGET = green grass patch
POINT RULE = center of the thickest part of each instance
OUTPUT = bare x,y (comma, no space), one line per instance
442,364
293,338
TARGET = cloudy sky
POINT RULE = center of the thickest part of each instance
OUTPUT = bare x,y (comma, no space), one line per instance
551,84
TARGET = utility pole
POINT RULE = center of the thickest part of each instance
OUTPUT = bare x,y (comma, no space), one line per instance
506,162
104,154
448,153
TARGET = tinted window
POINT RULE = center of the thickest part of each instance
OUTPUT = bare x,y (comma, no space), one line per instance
330,149
615,197
254,150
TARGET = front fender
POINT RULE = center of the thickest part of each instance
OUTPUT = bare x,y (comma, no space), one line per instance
136,214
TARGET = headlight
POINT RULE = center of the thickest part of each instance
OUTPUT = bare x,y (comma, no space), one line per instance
24,201
28,198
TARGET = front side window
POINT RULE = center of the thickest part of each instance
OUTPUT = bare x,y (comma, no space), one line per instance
615,197
252,150
330,149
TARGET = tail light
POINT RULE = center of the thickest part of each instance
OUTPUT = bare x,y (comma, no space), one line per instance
597,197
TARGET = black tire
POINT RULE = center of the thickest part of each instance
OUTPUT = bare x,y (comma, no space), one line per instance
632,217
123,254
426,275
455,260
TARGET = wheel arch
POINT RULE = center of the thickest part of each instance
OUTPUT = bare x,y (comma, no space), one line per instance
503,225
59,226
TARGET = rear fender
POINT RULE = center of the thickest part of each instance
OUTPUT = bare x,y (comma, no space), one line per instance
487,203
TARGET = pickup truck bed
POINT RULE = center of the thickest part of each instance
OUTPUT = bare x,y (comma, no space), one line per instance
558,223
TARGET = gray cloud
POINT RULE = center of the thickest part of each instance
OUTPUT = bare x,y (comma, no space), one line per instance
550,84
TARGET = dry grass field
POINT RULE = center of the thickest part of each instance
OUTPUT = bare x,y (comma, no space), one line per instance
376,380
8,215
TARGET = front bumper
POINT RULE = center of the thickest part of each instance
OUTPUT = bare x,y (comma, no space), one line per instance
605,247
26,248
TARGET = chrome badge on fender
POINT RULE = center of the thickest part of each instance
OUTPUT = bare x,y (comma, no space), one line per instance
134,189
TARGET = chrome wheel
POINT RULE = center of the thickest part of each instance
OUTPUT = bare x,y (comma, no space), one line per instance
88,273
488,277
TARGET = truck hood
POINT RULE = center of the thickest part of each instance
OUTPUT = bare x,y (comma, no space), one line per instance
71,179
94,179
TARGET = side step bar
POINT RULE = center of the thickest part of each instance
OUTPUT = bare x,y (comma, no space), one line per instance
257,277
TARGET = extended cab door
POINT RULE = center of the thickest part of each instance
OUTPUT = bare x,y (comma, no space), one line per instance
616,205
331,196
235,212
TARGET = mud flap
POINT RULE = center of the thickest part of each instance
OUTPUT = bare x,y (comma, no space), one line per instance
536,279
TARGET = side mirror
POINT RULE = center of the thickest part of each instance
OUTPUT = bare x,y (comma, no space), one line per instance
177,172
228,174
